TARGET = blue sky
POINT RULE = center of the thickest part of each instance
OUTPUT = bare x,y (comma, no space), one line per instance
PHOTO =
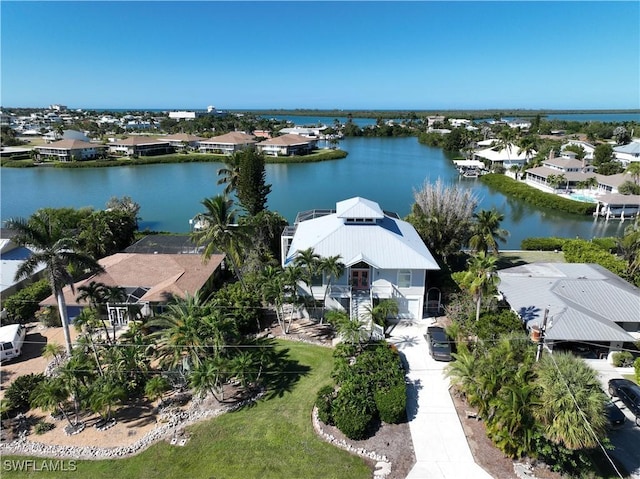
349,55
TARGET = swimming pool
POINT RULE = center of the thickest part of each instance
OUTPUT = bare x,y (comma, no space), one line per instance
583,198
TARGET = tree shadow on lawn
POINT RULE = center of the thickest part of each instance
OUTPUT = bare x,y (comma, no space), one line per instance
283,374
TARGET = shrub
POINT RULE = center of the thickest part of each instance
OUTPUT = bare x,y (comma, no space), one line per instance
324,401
622,359
43,426
22,305
351,411
542,244
49,317
19,392
581,251
636,366
391,403
607,244
490,326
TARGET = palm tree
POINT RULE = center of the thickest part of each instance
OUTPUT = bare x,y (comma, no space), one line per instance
332,268
381,311
527,146
53,351
50,395
482,278
487,232
57,250
309,262
86,322
572,409
105,394
179,341
272,290
222,232
230,174
291,276
156,387
209,377
634,170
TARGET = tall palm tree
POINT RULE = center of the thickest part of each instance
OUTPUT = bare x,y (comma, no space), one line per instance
482,278
527,145
56,249
50,395
222,232
230,174
332,268
487,232
309,261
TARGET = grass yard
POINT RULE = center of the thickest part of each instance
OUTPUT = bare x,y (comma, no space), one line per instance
272,439
509,259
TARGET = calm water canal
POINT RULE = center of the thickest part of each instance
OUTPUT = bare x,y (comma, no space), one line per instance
386,170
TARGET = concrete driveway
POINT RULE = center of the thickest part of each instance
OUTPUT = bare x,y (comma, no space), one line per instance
626,439
439,442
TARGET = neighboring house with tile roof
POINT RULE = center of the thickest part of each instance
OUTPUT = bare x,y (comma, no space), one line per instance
588,306
140,146
384,256
150,281
228,143
69,150
180,140
287,145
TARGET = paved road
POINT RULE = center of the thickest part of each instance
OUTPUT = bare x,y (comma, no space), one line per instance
439,442
626,439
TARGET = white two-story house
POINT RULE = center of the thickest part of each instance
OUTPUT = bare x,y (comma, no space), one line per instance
384,256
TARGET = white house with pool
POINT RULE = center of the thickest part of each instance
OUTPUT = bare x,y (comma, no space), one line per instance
384,257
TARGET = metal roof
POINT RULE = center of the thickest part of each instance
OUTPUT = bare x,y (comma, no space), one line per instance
585,301
387,243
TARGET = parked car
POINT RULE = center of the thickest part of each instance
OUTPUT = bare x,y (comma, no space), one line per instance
628,392
11,340
439,343
615,416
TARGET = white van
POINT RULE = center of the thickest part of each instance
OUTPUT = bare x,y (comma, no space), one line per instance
11,339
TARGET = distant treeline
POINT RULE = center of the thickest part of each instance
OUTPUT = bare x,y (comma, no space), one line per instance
471,114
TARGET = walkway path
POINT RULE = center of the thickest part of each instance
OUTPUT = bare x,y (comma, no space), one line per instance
439,442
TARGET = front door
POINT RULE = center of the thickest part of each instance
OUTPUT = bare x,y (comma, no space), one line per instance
360,278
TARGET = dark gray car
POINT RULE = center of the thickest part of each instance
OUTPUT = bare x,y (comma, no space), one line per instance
439,343
628,392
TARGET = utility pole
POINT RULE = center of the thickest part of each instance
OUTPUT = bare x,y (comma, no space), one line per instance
542,330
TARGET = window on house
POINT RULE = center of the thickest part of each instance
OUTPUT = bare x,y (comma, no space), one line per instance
404,278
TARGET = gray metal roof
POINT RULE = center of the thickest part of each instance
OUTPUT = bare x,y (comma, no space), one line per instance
586,302
387,243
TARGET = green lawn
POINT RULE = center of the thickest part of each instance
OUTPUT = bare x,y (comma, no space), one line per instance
272,439
508,259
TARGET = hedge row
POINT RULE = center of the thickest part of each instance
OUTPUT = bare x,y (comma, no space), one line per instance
534,196
319,155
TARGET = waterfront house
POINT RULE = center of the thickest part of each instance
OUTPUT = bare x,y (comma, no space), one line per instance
149,281
574,173
589,307
384,257
629,153
228,143
181,140
287,145
140,146
68,150
611,183
506,157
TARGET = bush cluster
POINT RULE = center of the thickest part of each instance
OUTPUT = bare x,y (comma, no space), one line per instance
622,359
511,187
18,394
581,251
370,386
22,306
543,244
